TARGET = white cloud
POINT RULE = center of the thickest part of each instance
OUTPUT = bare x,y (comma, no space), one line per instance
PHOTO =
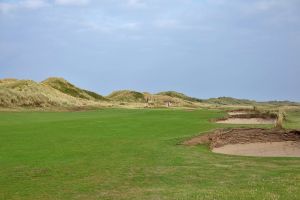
136,3
268,5
108,25
167,23
34,4
217,2
28,4
129,26
72,2
6,7
260,6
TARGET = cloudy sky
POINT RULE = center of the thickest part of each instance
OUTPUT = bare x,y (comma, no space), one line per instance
204,48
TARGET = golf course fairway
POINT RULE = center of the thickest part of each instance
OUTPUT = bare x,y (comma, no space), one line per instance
132,154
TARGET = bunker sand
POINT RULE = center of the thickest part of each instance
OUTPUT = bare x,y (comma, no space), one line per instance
247,117
251,142
270,149
246,121
233,113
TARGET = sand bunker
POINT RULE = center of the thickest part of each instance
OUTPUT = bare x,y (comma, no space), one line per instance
252,142
248,117
271,149
233,113
246,121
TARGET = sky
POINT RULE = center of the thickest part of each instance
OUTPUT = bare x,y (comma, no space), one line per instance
203,48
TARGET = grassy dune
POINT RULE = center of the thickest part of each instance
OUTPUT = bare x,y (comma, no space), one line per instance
70,89
127,96
52,93
131,154
180,96
59,94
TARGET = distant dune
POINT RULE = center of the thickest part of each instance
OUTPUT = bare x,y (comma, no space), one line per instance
59,93
127,96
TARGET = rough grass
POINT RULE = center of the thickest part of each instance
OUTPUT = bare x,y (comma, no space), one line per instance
292,120
95,95
58,94
279,120
131,154
70,89
180,96
230,101
32,95
127,96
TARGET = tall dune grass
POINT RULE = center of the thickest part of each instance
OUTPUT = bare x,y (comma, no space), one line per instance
280,119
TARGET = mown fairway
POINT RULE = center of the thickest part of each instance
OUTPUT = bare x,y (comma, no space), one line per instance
131,154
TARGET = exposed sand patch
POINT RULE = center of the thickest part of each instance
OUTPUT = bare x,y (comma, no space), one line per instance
248,117
246,121
271,149
232,113
251,142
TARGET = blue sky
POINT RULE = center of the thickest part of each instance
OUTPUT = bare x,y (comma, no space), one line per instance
204,48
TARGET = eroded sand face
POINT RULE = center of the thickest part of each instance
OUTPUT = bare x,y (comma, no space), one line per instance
268,149
246,121
237,113
251,142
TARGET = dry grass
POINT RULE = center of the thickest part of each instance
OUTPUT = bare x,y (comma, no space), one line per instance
26,93
279,120
57,93
127,96
70,89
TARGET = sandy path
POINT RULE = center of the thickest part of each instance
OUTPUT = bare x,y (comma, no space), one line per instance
246,121
270,149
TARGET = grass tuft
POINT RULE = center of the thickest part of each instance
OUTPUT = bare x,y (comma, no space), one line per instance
280,119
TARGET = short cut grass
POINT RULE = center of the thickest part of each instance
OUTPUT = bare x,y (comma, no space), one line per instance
132,154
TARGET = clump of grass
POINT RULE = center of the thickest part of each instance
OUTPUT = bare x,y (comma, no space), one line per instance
255,108
280,119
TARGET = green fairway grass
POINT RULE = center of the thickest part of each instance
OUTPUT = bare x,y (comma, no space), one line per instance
132,154
293,120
